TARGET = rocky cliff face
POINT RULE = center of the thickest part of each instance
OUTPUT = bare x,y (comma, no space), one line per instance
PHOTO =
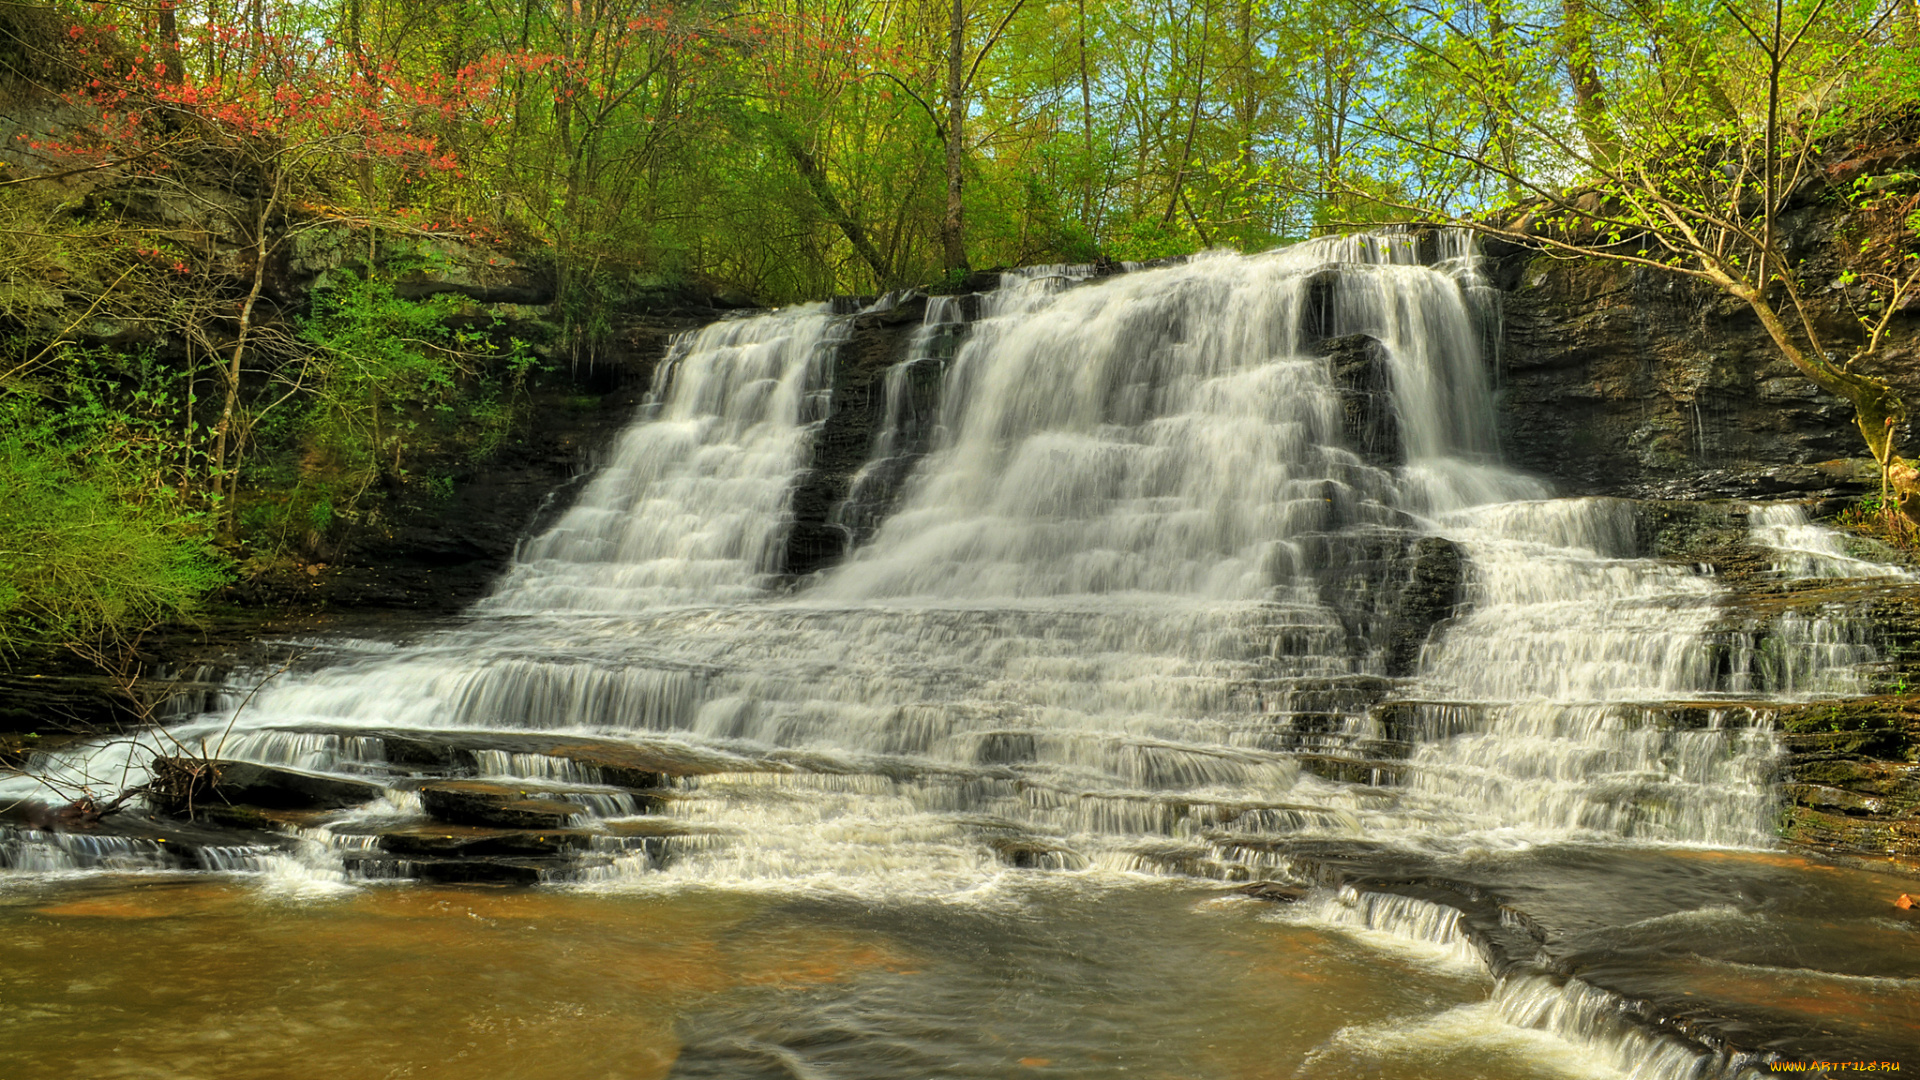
1619,380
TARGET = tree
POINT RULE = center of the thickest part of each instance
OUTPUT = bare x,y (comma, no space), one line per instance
1693,128
237,151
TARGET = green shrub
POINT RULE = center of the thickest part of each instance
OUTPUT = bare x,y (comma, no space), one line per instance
93,547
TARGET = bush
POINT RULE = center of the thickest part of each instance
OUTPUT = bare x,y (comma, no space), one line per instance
93,549
1885,523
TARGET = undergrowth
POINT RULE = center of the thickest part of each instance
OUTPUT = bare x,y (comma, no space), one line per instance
1883,522
95,546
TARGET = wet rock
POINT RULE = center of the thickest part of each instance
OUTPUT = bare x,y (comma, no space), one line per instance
445,840
257,819
1623,381
596,760
17,748
1690,532
473,802
1339,693
844,439
1275,891
1390,589
1004,748
1831,800
1365,384
1353,770
1035,853
1851,775
244,782
1434,593
462,871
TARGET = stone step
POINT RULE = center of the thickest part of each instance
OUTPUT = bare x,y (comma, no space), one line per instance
468,870
444,840
1413,721
181,786
506,806
591,760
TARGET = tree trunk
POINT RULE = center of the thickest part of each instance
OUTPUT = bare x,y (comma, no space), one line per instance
228,409
1086,129
953,228
170,43
856,234
1193,125
1590,108
1878,411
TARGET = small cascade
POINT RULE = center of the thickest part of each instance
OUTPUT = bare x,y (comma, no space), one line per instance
1552,1016
1818,651
1598,1022
910,389
692,504
1803,550
1432,932
43,852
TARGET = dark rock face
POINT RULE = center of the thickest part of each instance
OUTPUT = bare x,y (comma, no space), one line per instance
841,446
1366,399
437,551
1615,380
264,786
1433,593
1391,590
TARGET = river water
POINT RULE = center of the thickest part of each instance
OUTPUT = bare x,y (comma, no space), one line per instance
1134,617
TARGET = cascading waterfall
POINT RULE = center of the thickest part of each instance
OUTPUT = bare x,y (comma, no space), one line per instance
1124,598
1101,614
1804,550
690,506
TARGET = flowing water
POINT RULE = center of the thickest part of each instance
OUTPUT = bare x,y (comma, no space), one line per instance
1133,610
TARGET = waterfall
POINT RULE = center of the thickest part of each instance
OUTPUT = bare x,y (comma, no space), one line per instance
1803,550
1199,571
1128,594
692,505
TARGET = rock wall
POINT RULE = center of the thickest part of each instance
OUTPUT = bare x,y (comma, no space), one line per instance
1620,380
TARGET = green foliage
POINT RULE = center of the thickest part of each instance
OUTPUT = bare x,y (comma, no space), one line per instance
1871,517
386,380
95,545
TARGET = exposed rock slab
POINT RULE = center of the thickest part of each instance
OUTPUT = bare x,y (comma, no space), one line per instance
610,762
270,787
474,802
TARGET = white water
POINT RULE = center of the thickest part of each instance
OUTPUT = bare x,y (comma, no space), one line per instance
1804,550
690,507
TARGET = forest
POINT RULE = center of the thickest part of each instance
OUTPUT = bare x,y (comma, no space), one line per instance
172,416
